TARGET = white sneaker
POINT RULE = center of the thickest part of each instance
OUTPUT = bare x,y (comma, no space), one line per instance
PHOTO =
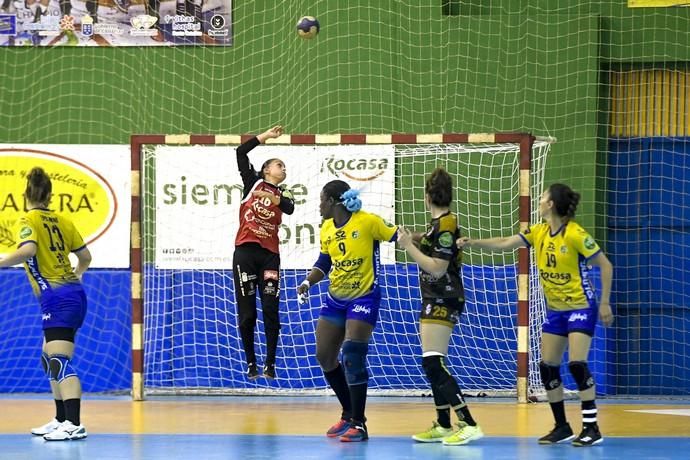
45,429
464,435
66,431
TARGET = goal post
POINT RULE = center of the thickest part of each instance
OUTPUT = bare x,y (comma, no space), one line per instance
185,196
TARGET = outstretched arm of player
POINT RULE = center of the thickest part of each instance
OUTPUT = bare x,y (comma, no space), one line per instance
272,133
83,261
431,265
21,255
493,244
245,167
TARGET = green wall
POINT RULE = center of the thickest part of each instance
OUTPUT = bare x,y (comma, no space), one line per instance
503,65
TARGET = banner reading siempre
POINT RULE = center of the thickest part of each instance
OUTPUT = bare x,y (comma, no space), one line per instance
199,189
117,23
91,185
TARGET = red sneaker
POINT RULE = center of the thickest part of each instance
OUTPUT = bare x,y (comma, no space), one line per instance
356,433
338,429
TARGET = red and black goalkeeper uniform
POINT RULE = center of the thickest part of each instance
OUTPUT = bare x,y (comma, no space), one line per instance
259,218
256,262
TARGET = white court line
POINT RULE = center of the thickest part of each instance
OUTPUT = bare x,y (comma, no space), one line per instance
682,412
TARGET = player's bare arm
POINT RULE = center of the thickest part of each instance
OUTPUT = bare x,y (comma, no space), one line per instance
272,133
492,244
19,256
433,266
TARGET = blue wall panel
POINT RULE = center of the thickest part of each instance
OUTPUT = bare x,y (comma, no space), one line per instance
103,344
649,245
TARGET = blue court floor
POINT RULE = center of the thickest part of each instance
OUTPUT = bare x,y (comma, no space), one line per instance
212,447
273,428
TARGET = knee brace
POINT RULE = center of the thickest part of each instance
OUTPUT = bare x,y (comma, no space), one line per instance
550,376
440,378
45,363
355,362
581,374
60,368
435,370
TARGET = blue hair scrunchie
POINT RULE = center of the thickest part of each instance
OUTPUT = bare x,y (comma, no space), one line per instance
351,200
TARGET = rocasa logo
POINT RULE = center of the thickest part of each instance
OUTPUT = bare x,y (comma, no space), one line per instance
79,193
360,169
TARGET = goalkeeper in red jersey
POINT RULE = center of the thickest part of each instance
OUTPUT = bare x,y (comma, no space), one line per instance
256,262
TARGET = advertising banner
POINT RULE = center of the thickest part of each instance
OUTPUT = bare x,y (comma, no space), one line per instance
91,185
656,3
198,191
115,22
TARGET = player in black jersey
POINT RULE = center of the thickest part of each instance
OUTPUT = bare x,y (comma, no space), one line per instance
443,300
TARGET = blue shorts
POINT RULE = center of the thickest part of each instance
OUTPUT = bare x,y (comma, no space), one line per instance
364,308
64,306
564,322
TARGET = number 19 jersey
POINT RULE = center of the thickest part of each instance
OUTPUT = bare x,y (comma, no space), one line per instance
561,259
55,237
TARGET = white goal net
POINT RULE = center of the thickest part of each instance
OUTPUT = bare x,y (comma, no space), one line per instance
190,195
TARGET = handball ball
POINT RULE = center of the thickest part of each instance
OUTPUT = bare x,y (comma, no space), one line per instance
308,27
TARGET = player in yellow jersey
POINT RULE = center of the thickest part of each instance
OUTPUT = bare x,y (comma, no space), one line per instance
45,241
443,301
350,257
563,252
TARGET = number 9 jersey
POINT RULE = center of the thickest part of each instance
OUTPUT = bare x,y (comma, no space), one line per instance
353,250
55,237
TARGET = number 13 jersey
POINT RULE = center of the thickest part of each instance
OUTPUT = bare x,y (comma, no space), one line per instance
55,237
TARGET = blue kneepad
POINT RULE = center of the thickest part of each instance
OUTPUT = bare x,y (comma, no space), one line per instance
60,368
355,362
45,363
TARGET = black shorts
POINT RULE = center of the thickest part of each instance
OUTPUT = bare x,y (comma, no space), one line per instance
59,333
442,311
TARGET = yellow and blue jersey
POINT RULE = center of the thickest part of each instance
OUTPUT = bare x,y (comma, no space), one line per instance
561,260
353,253
55,237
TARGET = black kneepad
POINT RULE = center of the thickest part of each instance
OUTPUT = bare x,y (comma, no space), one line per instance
435,369
550,376
581,374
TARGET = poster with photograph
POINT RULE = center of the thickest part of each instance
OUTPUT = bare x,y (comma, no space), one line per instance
115,23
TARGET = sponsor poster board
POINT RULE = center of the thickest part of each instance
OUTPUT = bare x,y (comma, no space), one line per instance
91,185
198,190
116,23
656,3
